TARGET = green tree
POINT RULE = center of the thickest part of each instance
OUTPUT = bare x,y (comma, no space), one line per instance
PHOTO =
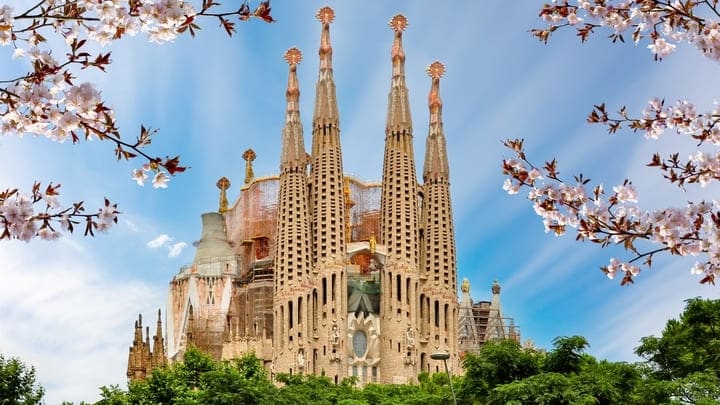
567,356
687,354
498,362
687,345
543,388
17,383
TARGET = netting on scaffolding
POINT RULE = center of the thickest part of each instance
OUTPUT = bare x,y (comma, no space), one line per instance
365,212
252,222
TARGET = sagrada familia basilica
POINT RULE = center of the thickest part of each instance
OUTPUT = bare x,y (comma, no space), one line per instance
318,272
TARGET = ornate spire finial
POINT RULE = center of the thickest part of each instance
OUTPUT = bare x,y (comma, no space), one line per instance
223,184
293,56
325,15
436,70
249,156
398,24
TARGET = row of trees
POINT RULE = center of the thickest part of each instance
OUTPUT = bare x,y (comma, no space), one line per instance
681,366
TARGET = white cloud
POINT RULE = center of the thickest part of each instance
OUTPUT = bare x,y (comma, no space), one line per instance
131,225
160,241
63,315
176,248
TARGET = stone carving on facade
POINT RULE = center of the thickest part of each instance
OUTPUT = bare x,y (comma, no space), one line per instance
301,362
334,341
410,348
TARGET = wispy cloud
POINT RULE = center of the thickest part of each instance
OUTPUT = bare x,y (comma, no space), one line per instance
164,240
131,225
176,249
159,241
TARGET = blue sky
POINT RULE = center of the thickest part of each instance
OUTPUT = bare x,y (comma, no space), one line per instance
68,306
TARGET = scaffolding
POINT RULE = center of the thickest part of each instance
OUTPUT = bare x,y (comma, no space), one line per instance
252,224
365,213
482,323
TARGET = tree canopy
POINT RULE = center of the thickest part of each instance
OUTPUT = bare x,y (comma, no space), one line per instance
18,384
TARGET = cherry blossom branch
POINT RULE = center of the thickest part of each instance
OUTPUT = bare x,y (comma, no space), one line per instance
616,219
47,102
665,23
682,117
18,219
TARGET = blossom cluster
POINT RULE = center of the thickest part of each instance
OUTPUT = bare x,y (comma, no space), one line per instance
615,218
20,220
700,167
50,101
663,23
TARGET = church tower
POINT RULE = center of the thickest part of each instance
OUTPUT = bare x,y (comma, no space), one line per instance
328,211
399,225
439,305
292,248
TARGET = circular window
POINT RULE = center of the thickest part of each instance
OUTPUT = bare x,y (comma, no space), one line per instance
360,343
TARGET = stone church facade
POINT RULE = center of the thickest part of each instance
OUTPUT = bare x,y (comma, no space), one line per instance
319,272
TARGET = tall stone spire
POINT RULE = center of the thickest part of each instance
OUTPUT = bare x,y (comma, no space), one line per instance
399,208
292,255
328,302
438,264
328,207
399,221
292,247
439,235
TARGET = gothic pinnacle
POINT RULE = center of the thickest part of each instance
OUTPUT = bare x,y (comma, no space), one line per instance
325,15
293,57
293,149
398,23
399,119
436,163
436,70
326,112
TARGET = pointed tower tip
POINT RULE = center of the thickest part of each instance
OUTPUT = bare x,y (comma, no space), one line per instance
325,15
398,24
293,57
436,70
